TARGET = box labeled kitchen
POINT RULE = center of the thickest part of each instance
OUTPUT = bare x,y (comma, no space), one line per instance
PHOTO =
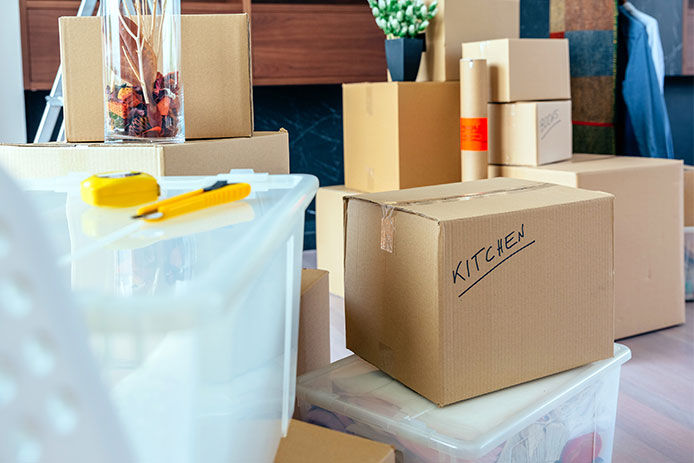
401,134
648,247
459,21
463,289
263,152
524,69
215,69
530,133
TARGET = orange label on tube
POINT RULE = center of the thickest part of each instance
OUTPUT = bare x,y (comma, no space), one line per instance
473,134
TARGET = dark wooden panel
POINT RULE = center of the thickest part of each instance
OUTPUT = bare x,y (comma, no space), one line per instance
292,44
43,46
308,44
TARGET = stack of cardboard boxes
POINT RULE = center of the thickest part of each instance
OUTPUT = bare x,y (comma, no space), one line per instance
530,99
407,134
218,110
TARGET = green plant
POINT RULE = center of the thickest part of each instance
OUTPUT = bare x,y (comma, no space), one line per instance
402,18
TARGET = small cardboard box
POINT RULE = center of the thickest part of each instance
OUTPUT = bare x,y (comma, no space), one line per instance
330,234
688,196
314,322
524,69
264,152
530,133
215,68
648,248
308,443
401,134
463,289
459,21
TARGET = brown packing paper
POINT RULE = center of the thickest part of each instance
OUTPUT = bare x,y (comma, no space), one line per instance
215,67
461,21
308,443
648,248
314,322
388,126
490,283
530,133
264,152
474,94
524,69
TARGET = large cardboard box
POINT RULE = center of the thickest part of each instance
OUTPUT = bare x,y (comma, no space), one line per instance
308,443
401,134
459,21
463,289
530,133
648,248
215,68
264,152
688,196
524,69
314,322
330,234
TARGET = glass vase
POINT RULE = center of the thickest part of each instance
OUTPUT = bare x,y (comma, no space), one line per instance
143,89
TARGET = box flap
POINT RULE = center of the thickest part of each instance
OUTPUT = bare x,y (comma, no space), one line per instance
482,197
585,163
310,443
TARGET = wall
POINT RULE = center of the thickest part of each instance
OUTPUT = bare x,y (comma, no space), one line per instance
12,128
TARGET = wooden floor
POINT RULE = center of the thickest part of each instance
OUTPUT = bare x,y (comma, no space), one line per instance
655,414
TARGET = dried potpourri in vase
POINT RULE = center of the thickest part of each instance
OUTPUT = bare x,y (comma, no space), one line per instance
142,70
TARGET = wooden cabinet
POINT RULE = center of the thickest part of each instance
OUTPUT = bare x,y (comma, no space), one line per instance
293,42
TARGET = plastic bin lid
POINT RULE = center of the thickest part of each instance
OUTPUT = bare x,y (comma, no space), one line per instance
468,429
182,266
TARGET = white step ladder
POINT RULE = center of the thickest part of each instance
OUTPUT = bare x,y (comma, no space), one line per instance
54,101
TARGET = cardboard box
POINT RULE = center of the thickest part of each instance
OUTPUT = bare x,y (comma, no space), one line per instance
530,133
401,134
330,234
264,152
314,322
308,443
463,289
648,247
459,21
524,69
688,196
215,68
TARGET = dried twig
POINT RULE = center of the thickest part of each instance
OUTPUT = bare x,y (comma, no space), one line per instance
132,66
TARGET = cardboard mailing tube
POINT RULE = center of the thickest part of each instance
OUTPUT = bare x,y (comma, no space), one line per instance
474,95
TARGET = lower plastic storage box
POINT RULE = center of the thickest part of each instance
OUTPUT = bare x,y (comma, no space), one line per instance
568,417
689,263
193,321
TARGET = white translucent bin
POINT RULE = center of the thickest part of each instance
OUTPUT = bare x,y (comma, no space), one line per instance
689,263
193,321
566,418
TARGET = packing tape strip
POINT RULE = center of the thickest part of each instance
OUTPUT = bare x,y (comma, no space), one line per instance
388,208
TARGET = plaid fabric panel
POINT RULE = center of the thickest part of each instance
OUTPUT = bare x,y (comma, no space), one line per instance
590,27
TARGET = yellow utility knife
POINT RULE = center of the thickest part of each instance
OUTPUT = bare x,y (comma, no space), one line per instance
221,192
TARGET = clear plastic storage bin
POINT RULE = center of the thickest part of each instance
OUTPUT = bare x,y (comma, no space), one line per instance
689,263
193,320
568,417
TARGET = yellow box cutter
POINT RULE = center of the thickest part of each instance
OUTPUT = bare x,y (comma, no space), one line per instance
221,192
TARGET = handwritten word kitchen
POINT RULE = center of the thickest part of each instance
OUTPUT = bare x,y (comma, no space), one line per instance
487,258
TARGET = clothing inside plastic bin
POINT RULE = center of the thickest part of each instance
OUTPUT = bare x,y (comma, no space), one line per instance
568,417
